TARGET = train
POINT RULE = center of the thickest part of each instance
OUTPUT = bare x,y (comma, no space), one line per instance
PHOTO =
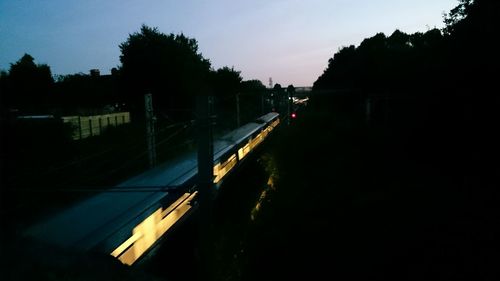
127,220
241,142
229,151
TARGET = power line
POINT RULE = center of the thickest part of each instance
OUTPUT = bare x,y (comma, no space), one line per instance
140,155
110,189
136,142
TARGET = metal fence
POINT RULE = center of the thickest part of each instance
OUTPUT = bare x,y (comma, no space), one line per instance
88,126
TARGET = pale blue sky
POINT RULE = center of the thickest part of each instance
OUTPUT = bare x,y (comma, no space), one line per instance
288,40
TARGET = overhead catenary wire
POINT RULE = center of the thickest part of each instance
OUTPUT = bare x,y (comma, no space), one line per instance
136,142
94,172
120,189
137,157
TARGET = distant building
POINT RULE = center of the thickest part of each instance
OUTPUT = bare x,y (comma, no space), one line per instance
303,89
36,117
95,73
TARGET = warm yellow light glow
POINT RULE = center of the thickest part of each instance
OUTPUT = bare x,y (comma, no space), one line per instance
221,169
252,143
146,233
256,141
275,123
270,182
258,205
175,204
126,244
242,152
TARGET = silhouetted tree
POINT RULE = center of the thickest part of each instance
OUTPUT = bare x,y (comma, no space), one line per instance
456,15
471,28
435,59
115,71
87,94
277,96
253,86
290,90
169,66
386,63
254,96
3,89
226,82
28,85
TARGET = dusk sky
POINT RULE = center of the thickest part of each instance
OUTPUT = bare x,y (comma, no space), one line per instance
288,40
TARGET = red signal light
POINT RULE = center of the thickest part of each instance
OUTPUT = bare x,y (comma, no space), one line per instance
294,115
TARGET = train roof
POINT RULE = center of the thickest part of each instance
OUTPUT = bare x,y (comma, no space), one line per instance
86,224
268,117
242,133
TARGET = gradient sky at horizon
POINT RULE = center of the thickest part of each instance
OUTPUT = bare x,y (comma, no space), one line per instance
288,40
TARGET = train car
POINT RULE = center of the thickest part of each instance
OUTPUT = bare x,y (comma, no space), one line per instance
243,141
129,219
229,151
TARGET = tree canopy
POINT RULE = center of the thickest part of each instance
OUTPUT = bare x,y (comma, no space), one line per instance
382,62
86,93
169,66
27,85
436,58
254,86
226,82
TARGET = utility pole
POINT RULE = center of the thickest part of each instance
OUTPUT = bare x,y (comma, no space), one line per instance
262,103
368,109
205,182
80,126
150,129
289,114
205,144
238,110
